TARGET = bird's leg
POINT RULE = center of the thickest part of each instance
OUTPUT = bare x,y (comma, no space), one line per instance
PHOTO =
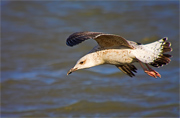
149,72
150,69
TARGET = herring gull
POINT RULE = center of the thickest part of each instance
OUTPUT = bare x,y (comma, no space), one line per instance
116,50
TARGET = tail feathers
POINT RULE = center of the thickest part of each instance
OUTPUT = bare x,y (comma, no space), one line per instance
166,46
163,59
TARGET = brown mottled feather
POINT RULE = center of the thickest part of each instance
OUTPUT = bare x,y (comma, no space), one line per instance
109,40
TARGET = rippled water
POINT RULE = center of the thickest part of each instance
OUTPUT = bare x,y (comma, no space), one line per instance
35,60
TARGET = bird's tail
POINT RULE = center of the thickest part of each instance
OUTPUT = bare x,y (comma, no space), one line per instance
154,53
163,59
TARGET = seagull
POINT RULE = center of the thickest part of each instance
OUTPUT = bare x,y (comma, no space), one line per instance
116,50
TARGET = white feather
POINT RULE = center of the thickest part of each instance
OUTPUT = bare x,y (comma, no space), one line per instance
149,52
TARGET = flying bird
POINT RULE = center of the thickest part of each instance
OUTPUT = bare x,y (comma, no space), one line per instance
116,50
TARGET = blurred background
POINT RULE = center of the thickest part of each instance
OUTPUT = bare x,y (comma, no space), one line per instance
35,60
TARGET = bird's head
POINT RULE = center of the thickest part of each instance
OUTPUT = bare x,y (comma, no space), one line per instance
86,61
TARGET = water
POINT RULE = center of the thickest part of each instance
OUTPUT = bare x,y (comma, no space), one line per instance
35,60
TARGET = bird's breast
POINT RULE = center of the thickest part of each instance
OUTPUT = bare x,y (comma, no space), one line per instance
117,56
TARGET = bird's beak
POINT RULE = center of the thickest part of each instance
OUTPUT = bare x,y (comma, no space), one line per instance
71,70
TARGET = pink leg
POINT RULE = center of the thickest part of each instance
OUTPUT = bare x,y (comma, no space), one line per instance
150,72
150,69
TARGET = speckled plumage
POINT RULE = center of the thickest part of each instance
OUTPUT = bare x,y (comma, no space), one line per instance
116,50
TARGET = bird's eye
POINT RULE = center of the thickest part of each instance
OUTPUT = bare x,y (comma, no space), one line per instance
81,62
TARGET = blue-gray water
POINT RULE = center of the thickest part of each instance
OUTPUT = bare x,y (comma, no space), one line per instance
35,60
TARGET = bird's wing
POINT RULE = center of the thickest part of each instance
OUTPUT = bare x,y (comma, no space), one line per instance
127,69
104,40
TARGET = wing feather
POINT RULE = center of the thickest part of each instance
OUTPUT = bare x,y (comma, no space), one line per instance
127,69
79,37
104,40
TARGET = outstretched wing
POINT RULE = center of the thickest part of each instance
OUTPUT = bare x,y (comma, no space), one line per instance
104,40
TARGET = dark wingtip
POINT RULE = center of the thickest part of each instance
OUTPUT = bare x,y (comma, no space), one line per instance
79,37
74,39
128,69
68,44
